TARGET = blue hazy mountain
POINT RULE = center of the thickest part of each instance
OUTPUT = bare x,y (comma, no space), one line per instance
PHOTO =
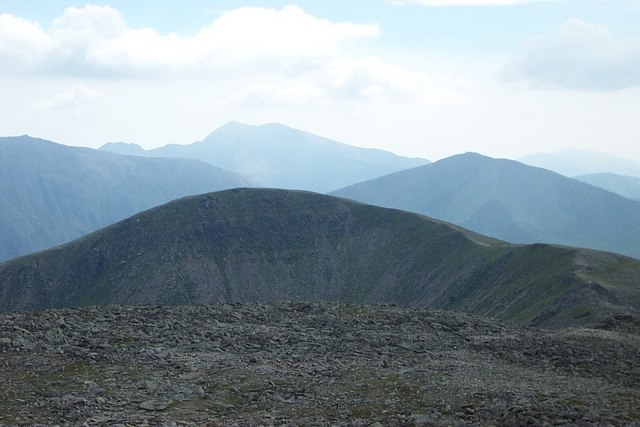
127,148
274,155
627,186
510,201
51,193
582,162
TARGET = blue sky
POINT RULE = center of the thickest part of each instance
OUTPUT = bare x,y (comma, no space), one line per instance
500,77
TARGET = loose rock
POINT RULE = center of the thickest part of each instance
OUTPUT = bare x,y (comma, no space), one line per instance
310,364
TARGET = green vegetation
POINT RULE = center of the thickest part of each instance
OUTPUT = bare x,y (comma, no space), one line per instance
250,245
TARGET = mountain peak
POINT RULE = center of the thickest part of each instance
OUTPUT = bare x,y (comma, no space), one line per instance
235,124
275,155
232,126
469,155
128,148
25,138
511,201
239,127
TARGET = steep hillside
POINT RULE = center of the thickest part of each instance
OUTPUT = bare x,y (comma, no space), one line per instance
51,193
510,201
626,186
277,156
252,245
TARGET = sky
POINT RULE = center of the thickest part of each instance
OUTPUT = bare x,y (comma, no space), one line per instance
424,78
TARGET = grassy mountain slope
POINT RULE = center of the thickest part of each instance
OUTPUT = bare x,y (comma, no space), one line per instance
248,245
510,201
626,186
51,193
274,155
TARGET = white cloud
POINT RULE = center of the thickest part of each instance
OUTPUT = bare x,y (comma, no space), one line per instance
88,24
354,81
284,56
289,31
580,56
466,2
96,40
372,79
73,96
251,64
23,44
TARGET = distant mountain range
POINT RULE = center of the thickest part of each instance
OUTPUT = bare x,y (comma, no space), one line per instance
51,193
274,155
627,186
582,162
247,245
510,201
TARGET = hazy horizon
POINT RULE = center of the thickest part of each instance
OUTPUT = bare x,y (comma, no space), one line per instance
419,78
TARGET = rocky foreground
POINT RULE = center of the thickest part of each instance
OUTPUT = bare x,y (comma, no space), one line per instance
310,364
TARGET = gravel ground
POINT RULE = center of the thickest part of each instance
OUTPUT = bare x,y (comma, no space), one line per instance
310,364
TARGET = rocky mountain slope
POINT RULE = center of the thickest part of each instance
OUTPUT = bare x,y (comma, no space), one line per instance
313,364
510,201
51,193
253,245
274,155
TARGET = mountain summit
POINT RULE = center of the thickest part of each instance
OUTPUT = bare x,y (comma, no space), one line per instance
274,155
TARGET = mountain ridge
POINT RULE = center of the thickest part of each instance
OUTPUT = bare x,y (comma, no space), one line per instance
572,162
52,193
624,185
277,156
511,201
253,245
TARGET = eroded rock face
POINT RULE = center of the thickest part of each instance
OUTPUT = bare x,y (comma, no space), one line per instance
310,364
